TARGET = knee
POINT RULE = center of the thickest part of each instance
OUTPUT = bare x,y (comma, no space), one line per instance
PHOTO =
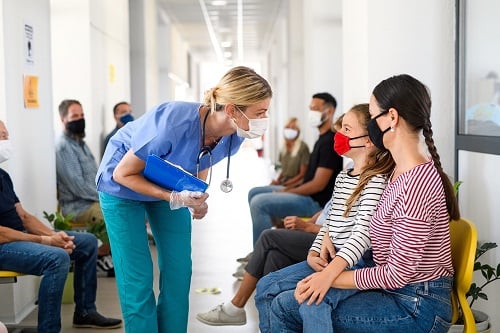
59,260
86,242
265,239
264,286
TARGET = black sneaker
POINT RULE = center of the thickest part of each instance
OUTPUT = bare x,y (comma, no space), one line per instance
95,320
105,267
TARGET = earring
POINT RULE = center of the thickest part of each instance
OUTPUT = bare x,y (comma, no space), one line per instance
392,129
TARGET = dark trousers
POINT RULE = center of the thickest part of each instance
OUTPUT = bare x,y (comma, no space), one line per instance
278,248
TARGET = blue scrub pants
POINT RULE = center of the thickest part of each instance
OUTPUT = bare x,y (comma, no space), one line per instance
125,222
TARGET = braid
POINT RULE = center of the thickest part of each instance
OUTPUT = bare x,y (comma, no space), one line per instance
451,199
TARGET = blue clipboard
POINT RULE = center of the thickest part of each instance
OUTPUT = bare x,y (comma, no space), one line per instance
170,176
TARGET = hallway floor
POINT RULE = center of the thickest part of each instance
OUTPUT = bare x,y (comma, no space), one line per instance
222,236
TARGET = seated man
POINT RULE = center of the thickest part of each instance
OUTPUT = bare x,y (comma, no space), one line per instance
306,199
28,246
76,169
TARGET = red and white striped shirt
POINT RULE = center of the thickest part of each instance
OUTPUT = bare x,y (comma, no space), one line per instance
409,232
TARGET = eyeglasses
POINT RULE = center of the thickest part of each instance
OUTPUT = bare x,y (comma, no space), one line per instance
380,114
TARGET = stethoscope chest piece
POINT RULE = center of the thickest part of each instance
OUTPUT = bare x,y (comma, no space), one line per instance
226,186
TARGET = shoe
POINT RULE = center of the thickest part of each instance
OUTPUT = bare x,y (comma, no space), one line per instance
217,317
95,320
240,271
246,259
105,267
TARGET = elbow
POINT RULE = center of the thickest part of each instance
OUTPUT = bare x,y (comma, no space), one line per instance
118,177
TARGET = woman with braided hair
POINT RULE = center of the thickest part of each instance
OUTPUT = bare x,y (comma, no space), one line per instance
408,289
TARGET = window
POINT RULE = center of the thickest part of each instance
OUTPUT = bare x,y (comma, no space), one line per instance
478,72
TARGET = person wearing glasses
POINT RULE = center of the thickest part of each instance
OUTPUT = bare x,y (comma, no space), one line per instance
192,136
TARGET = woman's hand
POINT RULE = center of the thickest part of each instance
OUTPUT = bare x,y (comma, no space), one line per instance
189,199
200,211
314,287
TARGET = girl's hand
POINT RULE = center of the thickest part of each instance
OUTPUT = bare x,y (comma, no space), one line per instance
316,262
327,249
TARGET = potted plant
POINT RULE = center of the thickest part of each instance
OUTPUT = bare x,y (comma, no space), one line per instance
61,222
476,291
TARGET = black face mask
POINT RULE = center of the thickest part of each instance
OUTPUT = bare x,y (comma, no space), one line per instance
376,134
76,127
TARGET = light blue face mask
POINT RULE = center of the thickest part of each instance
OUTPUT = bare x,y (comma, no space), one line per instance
6,150
126,118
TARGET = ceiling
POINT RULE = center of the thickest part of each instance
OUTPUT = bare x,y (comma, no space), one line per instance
206,26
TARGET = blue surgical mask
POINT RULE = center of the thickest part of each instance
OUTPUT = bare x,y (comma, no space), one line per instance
126,118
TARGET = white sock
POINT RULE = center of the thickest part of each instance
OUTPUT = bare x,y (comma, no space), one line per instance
232,309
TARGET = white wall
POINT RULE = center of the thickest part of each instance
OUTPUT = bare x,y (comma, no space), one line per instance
385,38
323,53
30,129
478,198
90,45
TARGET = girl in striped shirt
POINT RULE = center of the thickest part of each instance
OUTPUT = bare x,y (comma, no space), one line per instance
408,290
343,240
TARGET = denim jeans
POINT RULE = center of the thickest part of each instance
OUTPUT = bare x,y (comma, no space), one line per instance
286,279
126,225
53,264
418,307
265,204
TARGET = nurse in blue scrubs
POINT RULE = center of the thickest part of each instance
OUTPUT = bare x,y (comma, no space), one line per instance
193,136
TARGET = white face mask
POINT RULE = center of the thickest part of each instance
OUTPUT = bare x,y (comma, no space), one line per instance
290,133
315,118
257,128
6,150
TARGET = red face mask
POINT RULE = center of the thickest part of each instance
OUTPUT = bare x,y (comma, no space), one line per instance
341,143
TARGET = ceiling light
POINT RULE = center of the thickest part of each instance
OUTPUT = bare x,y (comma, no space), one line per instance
218,3
226,44
228,54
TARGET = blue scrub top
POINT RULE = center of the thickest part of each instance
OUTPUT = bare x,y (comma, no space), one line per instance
170,130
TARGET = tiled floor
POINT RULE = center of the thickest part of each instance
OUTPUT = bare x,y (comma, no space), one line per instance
221,237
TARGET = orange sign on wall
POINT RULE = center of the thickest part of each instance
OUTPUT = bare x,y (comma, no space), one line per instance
31,91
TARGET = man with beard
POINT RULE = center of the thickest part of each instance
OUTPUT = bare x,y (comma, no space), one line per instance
76,170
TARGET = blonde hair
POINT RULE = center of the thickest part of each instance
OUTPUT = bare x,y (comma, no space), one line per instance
378,162
241,86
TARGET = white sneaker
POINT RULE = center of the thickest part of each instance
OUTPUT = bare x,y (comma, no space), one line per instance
217,317
245,259
240,271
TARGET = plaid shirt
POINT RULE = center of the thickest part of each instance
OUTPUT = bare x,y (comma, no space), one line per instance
76,170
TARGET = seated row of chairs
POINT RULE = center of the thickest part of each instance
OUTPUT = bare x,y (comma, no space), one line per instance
463,248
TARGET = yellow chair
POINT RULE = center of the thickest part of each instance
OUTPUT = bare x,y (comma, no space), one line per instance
9,276
463,250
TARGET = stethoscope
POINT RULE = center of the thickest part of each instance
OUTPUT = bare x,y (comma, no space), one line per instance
226,185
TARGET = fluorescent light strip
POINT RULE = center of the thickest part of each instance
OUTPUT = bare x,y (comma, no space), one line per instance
240,30
211,31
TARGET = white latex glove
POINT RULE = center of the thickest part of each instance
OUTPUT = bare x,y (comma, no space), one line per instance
187,199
